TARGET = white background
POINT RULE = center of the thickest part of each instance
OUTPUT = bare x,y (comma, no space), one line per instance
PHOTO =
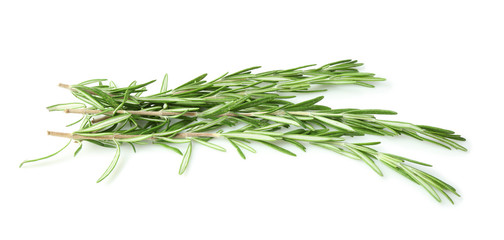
443,64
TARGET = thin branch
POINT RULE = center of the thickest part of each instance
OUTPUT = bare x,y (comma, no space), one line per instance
64,86
121,136
167,113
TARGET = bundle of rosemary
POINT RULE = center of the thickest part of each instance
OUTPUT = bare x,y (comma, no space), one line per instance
245,107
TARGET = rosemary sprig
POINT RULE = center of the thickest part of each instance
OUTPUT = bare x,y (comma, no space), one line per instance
243,107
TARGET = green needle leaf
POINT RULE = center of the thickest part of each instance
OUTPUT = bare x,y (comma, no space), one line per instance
71,124
274,79
335,124
174,140
96,91
436,129
91,81
185,159
305,104
246,70
373,111
309,138
132,146
125,97
278,148
112,164
86,97
164,85
222,108
365,158
131,88
170,147
297,144
63,106
78,149
210,145
48,156
279,119
106,123
407,159
242,155
297,119
399,125
251,136
244,146
195,80
337,150
420,180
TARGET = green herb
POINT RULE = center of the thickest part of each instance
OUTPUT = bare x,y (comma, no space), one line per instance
245,107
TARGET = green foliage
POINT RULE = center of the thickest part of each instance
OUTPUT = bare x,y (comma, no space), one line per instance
245,107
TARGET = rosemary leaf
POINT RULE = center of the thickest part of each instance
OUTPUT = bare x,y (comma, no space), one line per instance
257,137
63,106
335,124
185,159
48,156
112,164
106,123
164,85
279,119
240,152
278,148
170,147
210,145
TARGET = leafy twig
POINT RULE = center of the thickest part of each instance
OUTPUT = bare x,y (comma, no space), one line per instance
250,107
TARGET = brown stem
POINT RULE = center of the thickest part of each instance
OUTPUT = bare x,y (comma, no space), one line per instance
64,86
120,136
